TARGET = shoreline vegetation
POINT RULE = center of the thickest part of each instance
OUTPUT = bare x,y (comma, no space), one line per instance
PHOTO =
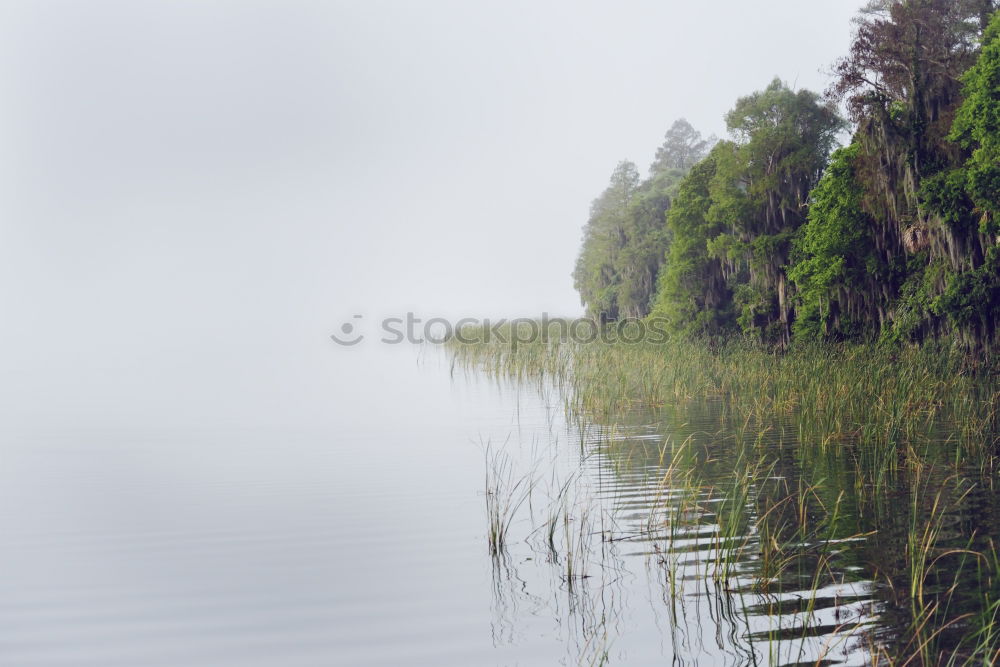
827,317
778,235
865,470
858,393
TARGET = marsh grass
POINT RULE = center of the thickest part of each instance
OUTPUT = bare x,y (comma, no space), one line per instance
506,491
836,394
887,483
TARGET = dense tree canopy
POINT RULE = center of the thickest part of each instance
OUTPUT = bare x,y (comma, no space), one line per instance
693,294
894,237
626,238
911,169
840,275
760,194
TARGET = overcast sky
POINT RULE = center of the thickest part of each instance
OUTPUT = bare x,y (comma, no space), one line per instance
191,180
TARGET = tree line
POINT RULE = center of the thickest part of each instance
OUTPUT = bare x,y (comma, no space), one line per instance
781,234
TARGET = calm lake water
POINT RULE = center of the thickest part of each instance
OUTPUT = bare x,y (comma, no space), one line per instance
340,520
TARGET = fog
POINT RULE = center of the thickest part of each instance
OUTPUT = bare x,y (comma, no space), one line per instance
194,195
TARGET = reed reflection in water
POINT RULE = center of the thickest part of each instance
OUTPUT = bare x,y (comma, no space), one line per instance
685,533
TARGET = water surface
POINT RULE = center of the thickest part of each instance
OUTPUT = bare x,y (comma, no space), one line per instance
339,518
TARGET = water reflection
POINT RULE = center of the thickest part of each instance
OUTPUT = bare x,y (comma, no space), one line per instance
710,540
682,535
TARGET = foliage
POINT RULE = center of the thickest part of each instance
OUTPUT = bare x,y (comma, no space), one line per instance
596,274
626,238
838,273
692,294
895,239
977,128
682,148
740,215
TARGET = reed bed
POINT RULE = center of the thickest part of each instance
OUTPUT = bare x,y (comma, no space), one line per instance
890,480
895,399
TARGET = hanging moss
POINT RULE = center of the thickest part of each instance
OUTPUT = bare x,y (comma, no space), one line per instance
893,238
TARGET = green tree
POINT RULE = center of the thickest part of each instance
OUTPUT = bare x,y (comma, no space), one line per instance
977,129
760,194
693,295
840,277
626,238
682,148
970,299
596,276
646,243
902,84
